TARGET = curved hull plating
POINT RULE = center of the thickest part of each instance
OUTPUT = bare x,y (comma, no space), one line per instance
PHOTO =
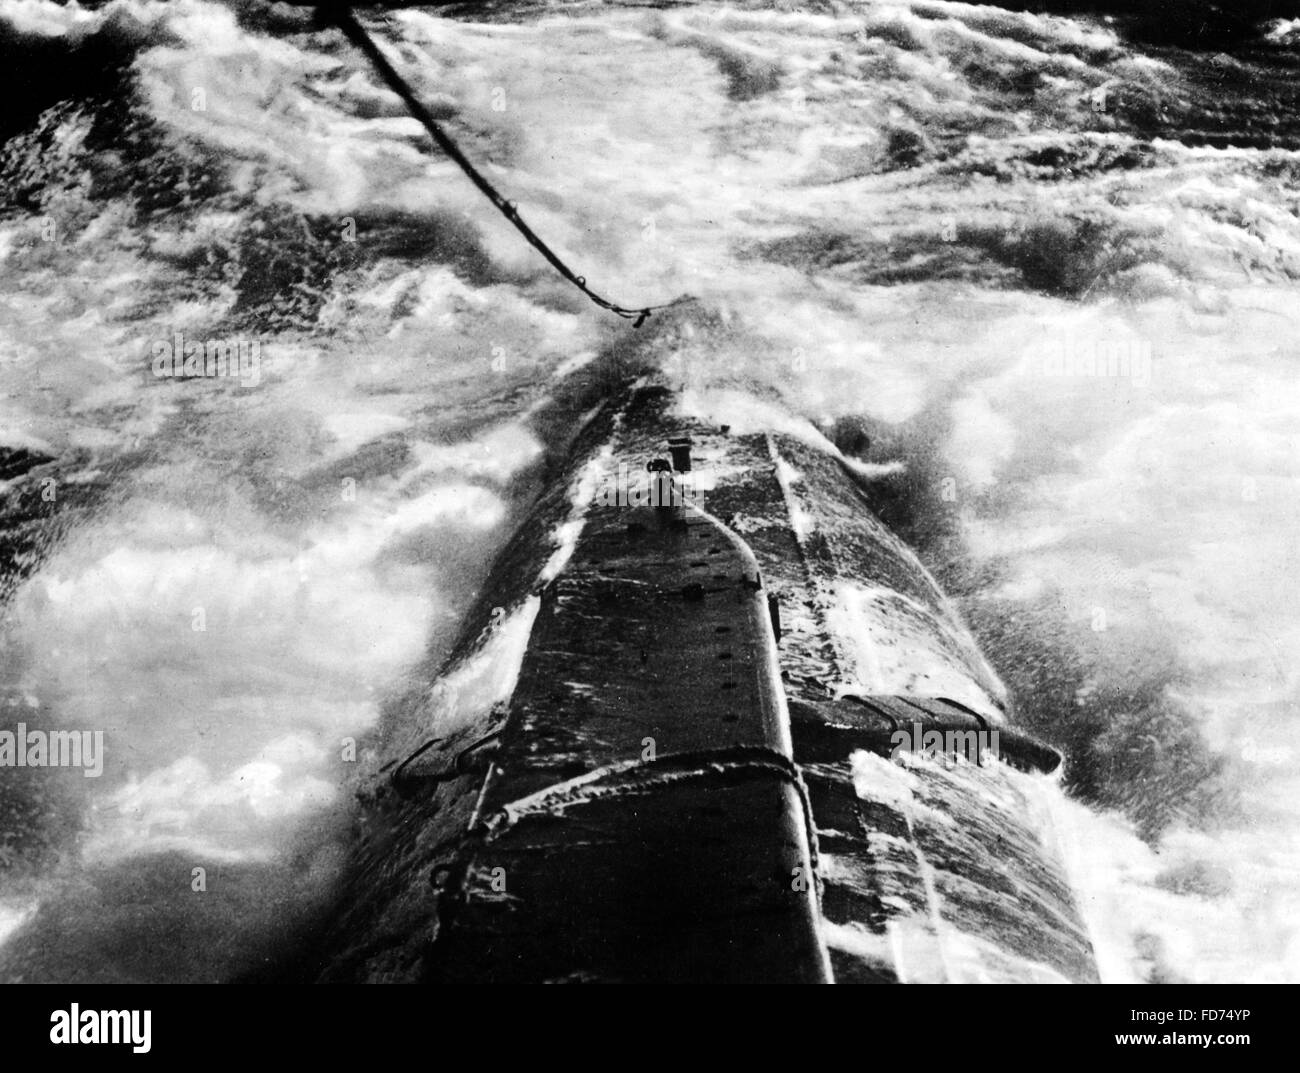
662,751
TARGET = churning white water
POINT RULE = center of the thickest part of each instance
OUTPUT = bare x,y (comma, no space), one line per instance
974,230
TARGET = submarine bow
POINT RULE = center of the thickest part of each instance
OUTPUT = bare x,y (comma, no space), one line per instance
701,650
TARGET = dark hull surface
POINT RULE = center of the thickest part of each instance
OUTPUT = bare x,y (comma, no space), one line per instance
662,751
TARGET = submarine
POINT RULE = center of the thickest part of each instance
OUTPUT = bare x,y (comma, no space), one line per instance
666,746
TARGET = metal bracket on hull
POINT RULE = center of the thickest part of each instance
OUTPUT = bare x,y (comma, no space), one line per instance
832,730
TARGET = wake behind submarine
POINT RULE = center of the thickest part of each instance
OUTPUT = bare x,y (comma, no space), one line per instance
666,747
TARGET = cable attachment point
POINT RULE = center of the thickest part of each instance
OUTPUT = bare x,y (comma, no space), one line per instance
340,15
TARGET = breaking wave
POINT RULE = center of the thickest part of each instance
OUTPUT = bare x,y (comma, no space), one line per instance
1038,265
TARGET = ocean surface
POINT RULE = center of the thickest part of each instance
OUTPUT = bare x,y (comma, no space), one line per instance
1045,264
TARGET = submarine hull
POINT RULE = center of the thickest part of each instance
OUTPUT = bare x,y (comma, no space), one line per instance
666,747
